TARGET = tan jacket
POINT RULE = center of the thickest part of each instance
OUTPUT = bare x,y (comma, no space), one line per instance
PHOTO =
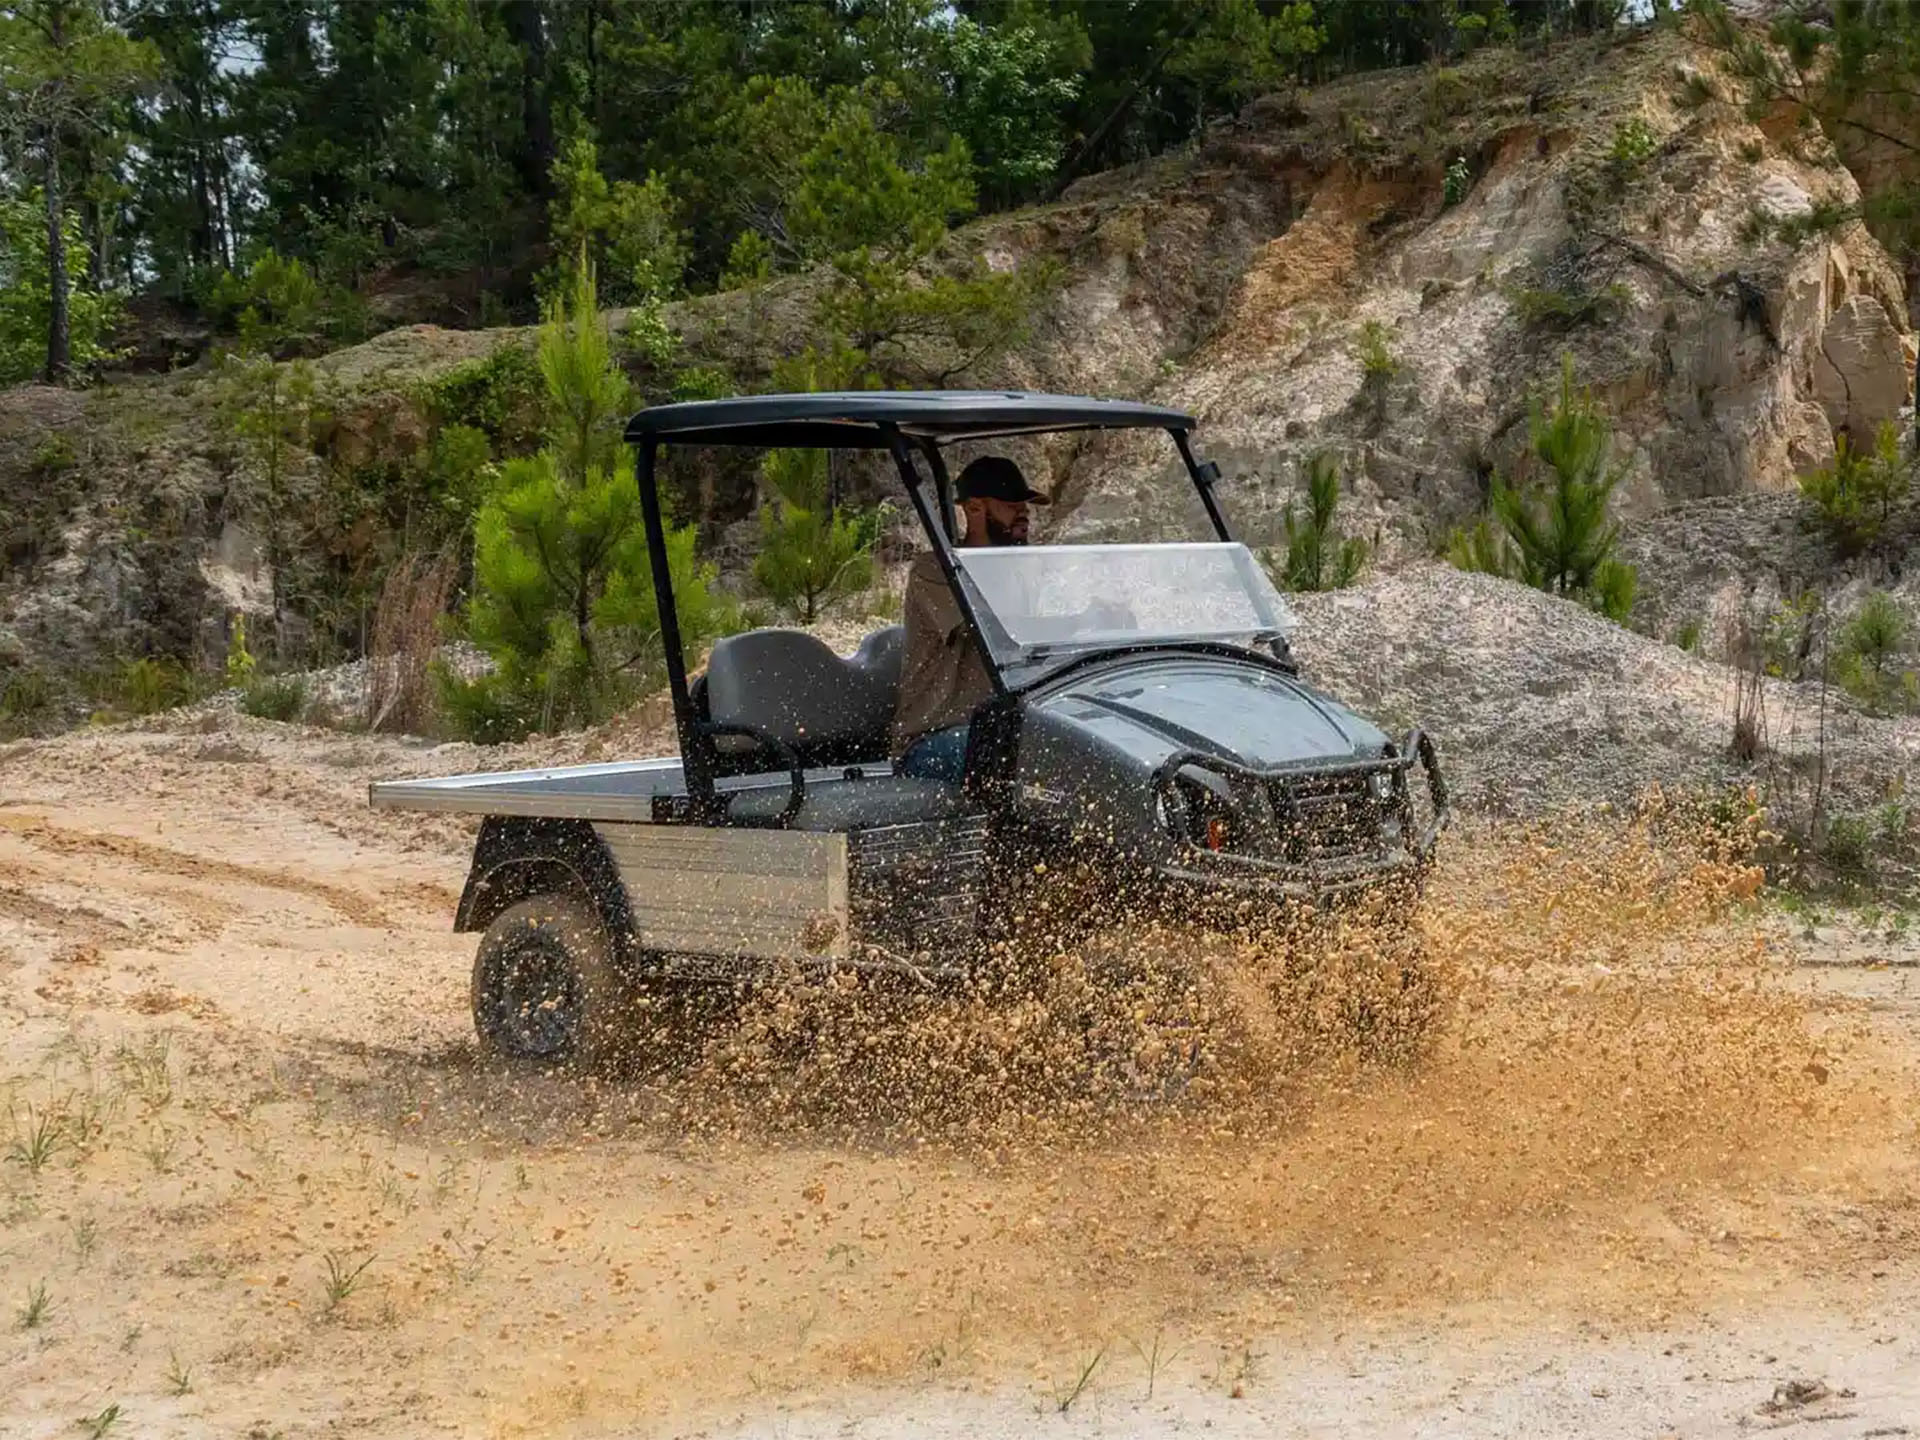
942,676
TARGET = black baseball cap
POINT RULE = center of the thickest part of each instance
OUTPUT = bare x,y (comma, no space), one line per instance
995,477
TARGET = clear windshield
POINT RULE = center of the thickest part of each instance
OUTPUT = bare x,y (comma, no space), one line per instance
1042,600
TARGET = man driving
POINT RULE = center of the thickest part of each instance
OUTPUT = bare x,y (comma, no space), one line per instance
942,677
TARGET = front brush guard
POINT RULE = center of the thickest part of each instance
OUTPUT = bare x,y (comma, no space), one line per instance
1418,748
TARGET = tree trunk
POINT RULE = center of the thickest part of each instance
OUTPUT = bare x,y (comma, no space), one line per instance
59,349
527,25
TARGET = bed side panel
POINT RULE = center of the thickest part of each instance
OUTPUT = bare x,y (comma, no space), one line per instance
769,894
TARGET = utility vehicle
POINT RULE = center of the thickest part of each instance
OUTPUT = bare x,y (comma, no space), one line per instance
1147,725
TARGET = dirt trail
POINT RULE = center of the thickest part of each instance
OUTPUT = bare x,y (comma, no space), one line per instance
1651,1170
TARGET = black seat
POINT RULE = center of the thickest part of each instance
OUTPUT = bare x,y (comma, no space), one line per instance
787,686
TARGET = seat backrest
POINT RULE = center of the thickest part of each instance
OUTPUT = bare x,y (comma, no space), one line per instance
788,684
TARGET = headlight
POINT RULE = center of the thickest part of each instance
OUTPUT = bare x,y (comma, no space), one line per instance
1380,784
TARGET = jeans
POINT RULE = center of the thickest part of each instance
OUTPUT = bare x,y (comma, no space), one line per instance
937,755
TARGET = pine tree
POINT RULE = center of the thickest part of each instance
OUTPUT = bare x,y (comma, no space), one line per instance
1556,536
1317,557
1562,540
563,598
65,75
813,555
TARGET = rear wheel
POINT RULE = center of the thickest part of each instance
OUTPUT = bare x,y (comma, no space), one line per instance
545,986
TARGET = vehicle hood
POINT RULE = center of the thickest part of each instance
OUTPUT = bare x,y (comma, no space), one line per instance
1239,711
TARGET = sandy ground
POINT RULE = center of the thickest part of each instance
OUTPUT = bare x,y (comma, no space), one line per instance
1657,1176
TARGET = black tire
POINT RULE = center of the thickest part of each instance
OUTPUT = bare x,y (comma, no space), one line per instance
546,988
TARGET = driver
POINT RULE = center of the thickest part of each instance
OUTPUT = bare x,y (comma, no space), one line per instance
942,676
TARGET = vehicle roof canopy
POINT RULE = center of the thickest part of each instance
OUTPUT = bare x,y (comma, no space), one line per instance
861,419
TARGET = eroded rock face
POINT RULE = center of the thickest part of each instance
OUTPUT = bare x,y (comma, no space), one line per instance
1860,371
1727,356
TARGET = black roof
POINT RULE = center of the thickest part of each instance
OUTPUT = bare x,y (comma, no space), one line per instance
854,419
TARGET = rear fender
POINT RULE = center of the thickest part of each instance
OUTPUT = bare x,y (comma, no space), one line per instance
517,858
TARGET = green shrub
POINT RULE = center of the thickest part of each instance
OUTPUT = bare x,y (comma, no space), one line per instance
1634,143
54,456
240,664
1377,363
26,697
1687,637
1556,536
1456,183
1697,90
148,686
1847,849
486,710
813,554
275,697
1854,497
1481,547
26,297
502,395
1564,308
1871,644
1317,557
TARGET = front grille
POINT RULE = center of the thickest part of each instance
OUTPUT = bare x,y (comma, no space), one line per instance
1326,817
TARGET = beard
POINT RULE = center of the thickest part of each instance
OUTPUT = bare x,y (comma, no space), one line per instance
1012,533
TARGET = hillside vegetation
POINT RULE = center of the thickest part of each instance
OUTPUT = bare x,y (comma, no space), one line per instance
1379,273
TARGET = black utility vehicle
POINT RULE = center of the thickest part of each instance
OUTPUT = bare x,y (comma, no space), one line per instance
1148,725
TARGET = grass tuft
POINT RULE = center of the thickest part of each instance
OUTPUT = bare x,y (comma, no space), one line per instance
342,1277
39,1306
33,1147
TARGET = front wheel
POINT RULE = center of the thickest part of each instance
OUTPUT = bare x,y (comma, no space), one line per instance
545,986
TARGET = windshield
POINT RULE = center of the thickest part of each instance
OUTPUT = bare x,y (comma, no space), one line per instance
1037,601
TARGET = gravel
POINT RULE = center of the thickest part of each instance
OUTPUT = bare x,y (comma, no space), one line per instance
1537,702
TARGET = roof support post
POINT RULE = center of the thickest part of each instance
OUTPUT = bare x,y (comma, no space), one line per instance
942,485
1203,477
942,548
695,746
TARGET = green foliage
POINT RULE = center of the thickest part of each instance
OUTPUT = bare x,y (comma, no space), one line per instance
1697,90
147,686
1559,309
626,231
1317,557
275,697
240,664
562,599
26,700
1855,496
68,77
54,456
92,314
1634,143
502,395
1456,183
270,411
1482,547
1847,849
1376,359
277,303
836,188
1239,48
1871,645
813,554
1556,536
1687,637
1853,71
1010,86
